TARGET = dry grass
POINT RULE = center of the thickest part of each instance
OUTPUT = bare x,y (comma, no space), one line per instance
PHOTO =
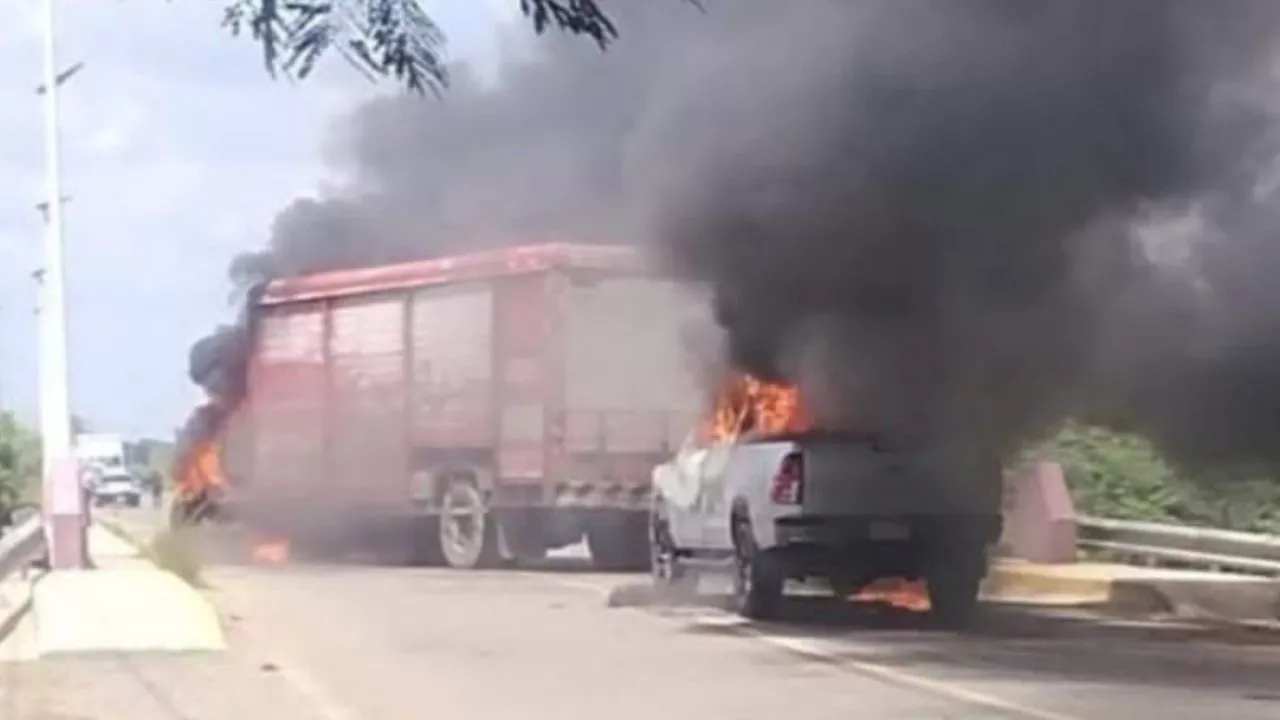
178,551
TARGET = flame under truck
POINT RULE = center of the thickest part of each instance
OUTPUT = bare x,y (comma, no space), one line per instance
470,409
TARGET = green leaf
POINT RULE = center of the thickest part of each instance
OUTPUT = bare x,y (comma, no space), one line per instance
384,38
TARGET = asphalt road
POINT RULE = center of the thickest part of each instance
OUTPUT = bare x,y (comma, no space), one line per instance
371,643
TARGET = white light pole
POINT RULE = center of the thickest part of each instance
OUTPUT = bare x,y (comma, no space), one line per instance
64,502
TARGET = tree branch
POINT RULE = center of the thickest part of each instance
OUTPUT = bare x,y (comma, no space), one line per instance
383,38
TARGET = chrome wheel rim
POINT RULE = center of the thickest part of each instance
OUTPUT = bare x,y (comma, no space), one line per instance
462,521
661,555
742,580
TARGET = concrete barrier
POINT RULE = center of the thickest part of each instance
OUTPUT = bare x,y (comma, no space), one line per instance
1039,515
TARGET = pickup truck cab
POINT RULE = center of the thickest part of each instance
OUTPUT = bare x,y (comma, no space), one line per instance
838,507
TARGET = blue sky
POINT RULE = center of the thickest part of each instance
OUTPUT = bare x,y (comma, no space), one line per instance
177,151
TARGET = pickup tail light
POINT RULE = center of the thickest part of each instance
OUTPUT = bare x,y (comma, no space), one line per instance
787,486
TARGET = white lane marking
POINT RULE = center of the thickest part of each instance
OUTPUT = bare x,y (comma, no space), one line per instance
584,587
951,691
805,647
319,700
284,659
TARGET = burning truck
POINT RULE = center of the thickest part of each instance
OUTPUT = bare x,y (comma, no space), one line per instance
470,409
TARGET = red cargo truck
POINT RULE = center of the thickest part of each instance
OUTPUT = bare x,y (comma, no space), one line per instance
495,405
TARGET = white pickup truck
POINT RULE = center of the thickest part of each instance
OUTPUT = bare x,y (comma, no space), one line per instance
838,508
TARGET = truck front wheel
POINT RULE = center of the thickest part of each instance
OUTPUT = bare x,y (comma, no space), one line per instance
665,565
468,534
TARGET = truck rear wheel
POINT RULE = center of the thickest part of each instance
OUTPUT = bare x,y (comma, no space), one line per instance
619,541
468,534
758,582
425,549
844,587
954,580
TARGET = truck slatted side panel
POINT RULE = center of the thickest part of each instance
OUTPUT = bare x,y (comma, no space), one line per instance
631,395
452,391
523,351
287,410
366,448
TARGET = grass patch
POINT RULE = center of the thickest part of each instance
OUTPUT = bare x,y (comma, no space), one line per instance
178,551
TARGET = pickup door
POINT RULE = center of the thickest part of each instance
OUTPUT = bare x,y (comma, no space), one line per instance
678,484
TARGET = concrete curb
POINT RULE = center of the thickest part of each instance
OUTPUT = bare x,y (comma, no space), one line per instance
128,608
127,602
1124,590
1017,582
14,616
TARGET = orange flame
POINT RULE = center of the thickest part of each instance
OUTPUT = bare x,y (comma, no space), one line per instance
202,470
897,592
271,552
748,404
198,470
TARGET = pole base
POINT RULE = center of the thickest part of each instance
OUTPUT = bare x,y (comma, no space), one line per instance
68,540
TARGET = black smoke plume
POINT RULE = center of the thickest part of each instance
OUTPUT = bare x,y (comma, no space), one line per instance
936,215
537,156
928,211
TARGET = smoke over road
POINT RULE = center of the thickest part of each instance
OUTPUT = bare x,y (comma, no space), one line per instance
934,214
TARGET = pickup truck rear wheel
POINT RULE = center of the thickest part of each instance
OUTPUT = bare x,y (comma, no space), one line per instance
954,582
468,535
844,587
757,579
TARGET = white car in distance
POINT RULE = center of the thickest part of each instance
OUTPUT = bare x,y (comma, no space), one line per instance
112,486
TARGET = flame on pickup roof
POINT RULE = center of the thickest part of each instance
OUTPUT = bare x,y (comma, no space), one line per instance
747,404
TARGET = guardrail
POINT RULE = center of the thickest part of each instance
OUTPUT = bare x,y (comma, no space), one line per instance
1182,545
21,545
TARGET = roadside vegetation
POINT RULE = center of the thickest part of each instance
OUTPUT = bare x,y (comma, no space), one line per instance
1116,475
176,550
19,463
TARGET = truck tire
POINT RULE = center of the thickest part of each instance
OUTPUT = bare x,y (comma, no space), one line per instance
468,533
758,581
843,587
619,542
954,580
665,567
425,549
521,536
